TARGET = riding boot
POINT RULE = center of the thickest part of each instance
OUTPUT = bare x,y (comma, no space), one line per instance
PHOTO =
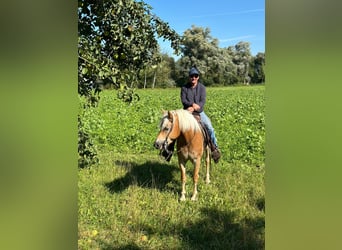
215,152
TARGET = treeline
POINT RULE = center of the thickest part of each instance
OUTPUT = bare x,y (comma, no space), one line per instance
218,66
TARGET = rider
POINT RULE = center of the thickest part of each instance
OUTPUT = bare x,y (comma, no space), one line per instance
193,97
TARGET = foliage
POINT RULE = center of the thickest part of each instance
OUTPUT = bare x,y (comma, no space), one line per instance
201,49
237,115
130,199
127,94
242,58
241,123
257,67
117,44
117,39
160,75
87,154
218,66
87,150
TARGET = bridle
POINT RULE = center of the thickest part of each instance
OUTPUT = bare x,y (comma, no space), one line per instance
165,144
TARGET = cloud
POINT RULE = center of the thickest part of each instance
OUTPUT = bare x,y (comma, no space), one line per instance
235,38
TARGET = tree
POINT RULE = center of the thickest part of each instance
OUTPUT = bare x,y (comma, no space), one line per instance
242,59
198,48
160,75
201,49
258,63
117,39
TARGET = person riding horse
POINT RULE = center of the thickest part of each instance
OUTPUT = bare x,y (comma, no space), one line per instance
193,98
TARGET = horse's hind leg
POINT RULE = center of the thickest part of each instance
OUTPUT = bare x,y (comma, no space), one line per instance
197,163
183,179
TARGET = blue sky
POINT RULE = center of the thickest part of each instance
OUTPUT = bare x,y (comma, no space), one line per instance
230,21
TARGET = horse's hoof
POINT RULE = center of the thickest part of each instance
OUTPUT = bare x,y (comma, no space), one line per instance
182,198
207,181
194,198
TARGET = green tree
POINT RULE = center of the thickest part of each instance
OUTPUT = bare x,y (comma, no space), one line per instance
218,66
242,58
198,48
201,49
160,75
117,39
258,63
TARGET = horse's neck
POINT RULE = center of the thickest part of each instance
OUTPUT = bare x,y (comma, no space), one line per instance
189,135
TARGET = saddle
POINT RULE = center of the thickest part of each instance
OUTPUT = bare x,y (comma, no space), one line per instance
205,132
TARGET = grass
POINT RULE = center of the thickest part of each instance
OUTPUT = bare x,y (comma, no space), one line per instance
130,200
133,204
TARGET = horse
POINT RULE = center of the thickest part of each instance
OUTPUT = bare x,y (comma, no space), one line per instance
181,126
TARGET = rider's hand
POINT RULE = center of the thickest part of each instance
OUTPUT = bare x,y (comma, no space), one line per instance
191,109
196,106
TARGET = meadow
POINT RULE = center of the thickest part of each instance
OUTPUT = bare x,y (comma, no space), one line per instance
129,200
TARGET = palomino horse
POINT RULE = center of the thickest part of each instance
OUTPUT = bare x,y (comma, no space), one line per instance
181,126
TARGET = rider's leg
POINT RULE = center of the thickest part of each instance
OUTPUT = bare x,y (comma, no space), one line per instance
205,119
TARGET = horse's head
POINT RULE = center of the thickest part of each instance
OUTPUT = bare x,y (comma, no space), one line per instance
167,131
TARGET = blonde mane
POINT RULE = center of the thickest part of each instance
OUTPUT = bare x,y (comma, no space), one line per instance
186,120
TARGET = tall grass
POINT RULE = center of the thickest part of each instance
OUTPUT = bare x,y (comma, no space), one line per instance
130,199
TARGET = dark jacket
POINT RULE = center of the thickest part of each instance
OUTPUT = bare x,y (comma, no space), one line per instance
191,95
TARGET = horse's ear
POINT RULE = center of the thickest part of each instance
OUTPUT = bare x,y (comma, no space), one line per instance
170,115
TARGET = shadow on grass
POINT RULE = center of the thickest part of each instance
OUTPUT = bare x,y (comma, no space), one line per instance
217,230
151,174
131,246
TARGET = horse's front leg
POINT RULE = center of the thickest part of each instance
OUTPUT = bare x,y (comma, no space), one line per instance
207,165
183,179
197,164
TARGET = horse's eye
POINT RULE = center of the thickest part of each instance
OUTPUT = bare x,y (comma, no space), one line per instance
166,129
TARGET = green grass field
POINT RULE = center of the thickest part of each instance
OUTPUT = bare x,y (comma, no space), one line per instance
130,199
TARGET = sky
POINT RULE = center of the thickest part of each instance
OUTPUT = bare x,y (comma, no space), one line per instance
230,21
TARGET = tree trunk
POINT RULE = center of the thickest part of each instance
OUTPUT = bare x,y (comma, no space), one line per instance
154,79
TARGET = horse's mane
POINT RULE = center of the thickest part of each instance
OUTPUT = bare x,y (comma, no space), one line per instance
186,120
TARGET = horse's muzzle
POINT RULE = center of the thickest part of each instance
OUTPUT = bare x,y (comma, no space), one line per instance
158,145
